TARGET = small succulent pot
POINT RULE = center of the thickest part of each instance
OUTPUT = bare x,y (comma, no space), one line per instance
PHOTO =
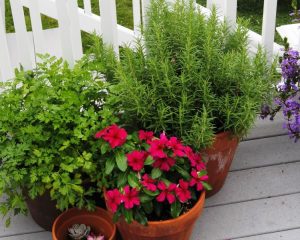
219,158
99,222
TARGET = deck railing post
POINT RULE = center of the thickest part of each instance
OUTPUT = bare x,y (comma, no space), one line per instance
108,14
6,71
268,28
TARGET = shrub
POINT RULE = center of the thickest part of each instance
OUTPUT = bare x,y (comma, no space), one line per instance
47,121
191,76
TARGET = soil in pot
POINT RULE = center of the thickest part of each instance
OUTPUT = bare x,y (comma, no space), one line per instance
100,222
218,160
174,229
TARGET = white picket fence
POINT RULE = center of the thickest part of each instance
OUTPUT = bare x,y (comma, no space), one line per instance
20,48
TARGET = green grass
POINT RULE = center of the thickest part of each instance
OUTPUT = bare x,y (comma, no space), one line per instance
252,10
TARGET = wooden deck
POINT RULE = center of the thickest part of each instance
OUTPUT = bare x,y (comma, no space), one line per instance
260,200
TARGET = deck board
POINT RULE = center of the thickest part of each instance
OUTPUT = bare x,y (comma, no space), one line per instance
265,152
293,234
30,236
258,183
249,218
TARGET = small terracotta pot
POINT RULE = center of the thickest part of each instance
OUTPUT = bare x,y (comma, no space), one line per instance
174,229
219,158
43,210
100,222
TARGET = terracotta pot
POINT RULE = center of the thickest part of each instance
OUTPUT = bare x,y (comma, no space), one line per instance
175,229
100,222
43,210
219,158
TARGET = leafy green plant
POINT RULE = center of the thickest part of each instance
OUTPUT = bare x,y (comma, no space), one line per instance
47,121
191,76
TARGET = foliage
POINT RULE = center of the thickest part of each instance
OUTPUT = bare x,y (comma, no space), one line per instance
47,119
287,98
191,76
149,178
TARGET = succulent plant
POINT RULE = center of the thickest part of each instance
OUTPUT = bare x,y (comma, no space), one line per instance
79,231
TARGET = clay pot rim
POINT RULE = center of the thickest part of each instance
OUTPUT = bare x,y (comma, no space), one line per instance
97,209
183,216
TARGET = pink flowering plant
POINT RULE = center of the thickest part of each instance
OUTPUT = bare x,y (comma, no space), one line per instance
149,178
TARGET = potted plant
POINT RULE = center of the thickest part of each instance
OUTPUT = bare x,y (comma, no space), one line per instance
193,78
153,186
287,99
48,158
79,224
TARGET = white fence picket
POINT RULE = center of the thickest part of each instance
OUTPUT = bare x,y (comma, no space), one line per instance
6,71
21,34
230,12
2,11
268,28
37,28
87,7
108,14
145,6
136,6
75,29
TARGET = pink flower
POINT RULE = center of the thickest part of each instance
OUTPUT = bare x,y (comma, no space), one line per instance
149,183
115,136
196,180
164,164
113,198
195,159
136,159
176,146
182,191
157,147
101,133
147,136
166,192
130,197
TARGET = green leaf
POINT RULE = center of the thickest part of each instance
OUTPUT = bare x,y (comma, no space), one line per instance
148,207
144,198
206,186
149,160
128,215
150,193
109,166
202,173
122,179
104,147
175,209
182,172
140,217
7,222
133,180
121,161
156,173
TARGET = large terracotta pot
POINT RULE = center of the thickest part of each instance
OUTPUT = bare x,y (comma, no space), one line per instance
43,210
175,229
100,222
219,158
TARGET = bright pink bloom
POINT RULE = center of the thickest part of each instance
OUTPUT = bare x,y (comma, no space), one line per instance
188,151
149,183
196,162
113,198
164,164
130,197
157,147
176,146
136,159
147,136
166,192
196,180
115,136
182,191
101,133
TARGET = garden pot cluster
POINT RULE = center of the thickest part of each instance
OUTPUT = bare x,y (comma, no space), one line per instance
152,132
